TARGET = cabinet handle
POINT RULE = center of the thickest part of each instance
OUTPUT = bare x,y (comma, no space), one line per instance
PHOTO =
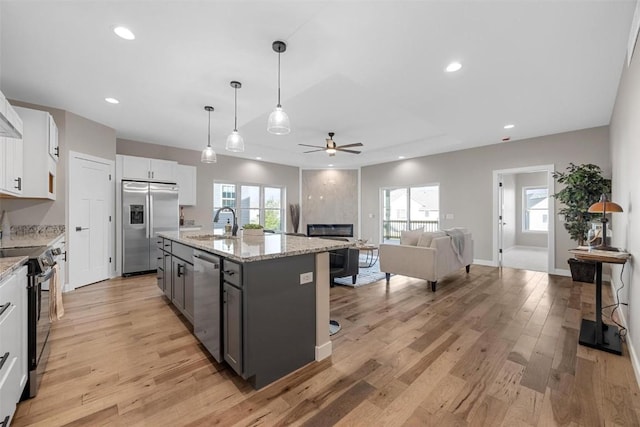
19,181
4,359
5,422
224,296
65,256
4,308
57,151
153,174
229,272
180,267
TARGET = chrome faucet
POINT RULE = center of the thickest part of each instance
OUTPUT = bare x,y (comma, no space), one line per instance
234,230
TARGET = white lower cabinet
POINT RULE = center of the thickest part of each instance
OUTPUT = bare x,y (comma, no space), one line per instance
13,342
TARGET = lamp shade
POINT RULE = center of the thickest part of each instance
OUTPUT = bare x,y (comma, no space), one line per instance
235,142
278,122
604,206
208,155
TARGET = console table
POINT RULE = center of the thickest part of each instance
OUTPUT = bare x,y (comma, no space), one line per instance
598,334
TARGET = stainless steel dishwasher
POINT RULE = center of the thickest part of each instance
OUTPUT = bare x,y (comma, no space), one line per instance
207,309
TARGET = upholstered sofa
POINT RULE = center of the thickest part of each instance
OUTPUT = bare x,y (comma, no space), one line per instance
428,255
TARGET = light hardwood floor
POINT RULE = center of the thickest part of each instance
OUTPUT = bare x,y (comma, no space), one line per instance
491,348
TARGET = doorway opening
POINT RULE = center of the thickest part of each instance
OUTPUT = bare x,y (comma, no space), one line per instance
524,225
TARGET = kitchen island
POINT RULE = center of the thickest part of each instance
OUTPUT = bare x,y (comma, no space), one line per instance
272,297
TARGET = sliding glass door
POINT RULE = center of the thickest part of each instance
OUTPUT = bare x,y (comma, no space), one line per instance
409,208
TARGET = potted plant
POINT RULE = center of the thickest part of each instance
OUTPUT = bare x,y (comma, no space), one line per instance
252,230
583,186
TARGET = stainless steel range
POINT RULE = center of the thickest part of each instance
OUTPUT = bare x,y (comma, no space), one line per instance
39,271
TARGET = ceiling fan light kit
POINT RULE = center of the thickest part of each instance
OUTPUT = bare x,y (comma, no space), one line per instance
278,123
235,142
208,154
331,148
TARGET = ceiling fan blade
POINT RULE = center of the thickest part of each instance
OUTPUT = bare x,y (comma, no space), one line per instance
312,151
357,144
314,146
348,151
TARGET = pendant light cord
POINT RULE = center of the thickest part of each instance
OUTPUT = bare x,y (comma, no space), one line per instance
279,106
235,110
209,131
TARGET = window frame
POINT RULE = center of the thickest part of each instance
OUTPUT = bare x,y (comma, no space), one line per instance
525,209
261,202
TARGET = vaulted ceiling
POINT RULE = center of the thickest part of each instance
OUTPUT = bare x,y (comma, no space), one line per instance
370,71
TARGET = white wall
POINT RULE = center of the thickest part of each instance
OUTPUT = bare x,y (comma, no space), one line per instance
625,153
466,179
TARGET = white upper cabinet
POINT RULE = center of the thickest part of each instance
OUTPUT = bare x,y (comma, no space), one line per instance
54,149
186,180
40,171
146,169
12,157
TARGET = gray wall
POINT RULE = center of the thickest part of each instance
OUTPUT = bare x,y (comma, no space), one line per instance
329,197
533,179
74,133
466,179
625,152
226,169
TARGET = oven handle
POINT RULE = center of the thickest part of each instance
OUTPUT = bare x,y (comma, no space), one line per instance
41,278
4,308
4,359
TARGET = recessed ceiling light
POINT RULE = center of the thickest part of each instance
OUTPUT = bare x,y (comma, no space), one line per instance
509,126
112,101
330,165
258,158
454,66
401,157
124,32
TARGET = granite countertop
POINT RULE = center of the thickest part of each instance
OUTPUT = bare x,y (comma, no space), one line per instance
249,248
34,239
8,265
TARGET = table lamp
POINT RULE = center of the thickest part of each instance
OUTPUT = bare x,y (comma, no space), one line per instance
603,207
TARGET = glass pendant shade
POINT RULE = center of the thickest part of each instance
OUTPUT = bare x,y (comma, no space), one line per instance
235,142
208,155
278,122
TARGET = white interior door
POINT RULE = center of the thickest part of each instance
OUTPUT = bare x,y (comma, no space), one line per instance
89,220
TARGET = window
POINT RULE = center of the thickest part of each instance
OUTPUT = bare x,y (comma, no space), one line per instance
535,208
409,208
254,204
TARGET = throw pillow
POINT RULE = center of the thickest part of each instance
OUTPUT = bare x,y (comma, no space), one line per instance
427,237
410,237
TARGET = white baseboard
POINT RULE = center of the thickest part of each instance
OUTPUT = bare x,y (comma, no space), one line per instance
488,263
323,351
562,272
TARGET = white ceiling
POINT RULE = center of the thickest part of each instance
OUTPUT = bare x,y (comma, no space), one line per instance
371,71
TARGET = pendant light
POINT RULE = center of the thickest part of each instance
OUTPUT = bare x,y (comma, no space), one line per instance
208,155
278,119
234,140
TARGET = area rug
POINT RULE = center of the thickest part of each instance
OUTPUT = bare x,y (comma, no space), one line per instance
365,276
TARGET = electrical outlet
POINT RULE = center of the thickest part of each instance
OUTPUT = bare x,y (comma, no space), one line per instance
306,278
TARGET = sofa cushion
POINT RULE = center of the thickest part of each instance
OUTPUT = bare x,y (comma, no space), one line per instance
427,237
410,237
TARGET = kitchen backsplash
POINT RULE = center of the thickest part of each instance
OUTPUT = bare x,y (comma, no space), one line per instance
41,230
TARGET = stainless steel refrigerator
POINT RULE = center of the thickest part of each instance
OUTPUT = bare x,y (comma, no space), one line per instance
147,208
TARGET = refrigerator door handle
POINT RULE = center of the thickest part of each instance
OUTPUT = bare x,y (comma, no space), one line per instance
150,222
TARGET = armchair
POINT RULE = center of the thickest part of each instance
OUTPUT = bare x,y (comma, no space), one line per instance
344,262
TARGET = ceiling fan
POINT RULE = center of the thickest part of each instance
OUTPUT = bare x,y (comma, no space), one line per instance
331,148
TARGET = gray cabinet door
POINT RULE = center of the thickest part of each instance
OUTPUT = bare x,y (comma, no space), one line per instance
168,275
179,270
232,321
189,279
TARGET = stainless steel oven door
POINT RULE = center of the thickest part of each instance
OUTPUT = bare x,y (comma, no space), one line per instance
43,323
